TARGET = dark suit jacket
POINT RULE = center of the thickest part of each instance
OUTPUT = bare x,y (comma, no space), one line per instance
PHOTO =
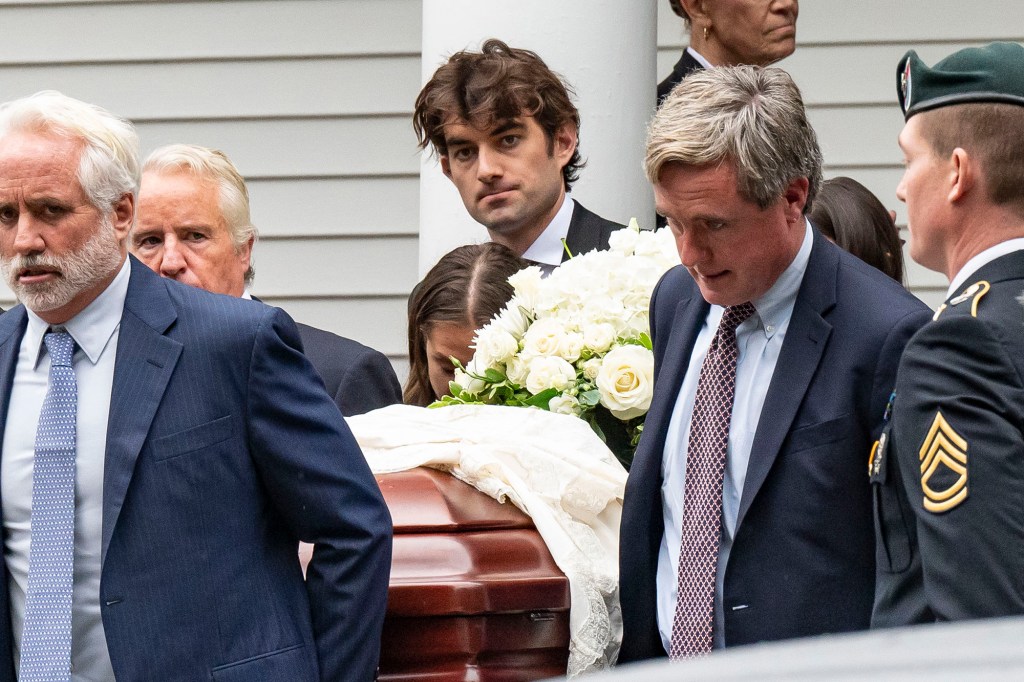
587,231
803,557
358,377
223,451
681,70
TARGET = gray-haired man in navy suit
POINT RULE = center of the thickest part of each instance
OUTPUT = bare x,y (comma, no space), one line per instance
193,225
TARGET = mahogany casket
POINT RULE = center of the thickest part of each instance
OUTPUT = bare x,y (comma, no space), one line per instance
474,594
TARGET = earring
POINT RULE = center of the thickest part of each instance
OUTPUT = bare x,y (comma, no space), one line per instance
705,34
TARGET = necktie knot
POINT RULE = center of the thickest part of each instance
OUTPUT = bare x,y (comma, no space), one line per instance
735,315
61,348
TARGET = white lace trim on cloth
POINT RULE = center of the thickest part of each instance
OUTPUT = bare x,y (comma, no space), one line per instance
551,466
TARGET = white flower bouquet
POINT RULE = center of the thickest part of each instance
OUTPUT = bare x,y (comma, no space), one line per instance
577,342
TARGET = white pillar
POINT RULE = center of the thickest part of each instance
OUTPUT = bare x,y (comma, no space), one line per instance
605,49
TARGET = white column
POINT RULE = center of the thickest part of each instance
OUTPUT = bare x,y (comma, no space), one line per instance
605,49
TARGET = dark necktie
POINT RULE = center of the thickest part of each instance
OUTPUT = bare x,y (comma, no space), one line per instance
702,503
46,638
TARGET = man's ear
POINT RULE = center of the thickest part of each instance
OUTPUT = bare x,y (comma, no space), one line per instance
963,172
247,248
564,143
123,215
446,167
795,195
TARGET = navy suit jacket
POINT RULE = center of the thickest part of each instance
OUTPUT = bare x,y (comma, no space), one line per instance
802,561
223,451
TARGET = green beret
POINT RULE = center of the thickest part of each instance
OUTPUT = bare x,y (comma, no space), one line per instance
994,73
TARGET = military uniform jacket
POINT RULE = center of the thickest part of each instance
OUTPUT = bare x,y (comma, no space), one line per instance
948,477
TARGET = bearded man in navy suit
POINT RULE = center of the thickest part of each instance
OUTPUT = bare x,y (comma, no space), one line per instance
789,548
204,448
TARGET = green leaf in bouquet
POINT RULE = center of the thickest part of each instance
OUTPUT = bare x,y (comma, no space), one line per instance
542,399
454,389
645,341
590,398
493,376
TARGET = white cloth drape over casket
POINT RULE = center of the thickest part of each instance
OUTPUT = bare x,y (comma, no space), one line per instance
553,467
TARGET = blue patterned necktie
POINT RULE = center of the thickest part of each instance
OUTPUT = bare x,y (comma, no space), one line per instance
46,639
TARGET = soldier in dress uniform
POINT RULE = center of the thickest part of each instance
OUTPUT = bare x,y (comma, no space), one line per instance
948,472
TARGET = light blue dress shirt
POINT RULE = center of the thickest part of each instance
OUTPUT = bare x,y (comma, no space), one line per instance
759,339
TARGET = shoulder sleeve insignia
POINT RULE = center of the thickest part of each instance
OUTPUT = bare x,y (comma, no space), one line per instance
972,293
943,467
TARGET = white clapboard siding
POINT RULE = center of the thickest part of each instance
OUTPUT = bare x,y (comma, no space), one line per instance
845,64
310,98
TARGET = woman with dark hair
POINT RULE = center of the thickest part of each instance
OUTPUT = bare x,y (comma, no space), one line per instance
851,216
460,294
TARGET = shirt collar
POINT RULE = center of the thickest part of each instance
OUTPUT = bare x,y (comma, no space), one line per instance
549,247
94,326
247,295
982,259
700,58
776,305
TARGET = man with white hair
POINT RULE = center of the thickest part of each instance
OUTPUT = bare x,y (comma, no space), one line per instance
193,225
163,449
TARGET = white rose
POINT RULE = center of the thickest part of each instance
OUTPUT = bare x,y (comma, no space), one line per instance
495,345
564,404
626,381
570,346
591,367
598,336
543,337
516,370
468,383
549,372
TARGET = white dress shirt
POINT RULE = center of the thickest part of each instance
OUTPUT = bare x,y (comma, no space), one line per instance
548,248
759,339
700,58
95,331
982,259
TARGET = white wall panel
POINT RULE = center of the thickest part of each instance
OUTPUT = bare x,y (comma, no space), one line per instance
160,90
318,268
350,206
245,30
308,147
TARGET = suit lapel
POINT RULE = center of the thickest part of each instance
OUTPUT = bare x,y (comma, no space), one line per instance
12,328
689,316
145,362
801,352
580,238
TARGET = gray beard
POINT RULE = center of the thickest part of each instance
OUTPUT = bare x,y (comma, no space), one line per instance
91,264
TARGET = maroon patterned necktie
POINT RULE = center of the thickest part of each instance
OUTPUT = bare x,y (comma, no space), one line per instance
702,504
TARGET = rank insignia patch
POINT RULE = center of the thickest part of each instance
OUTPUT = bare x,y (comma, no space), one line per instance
943,467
